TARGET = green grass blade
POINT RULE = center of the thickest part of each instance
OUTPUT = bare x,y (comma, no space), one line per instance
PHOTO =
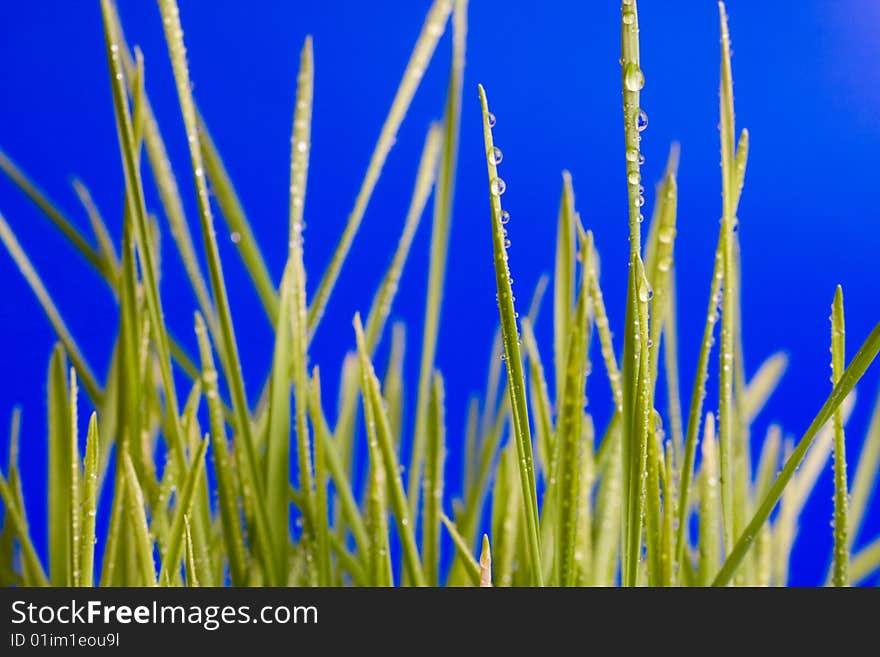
434,469
239,227
384,297
485,564
513,360
190,565
228,345
440,227
90,504
392,385
143,542
726,411
19,524
373,397
102,233
74,495
840,566
866,474
36,284
563,282
603,327
379,552
670,362
321,520
539,399
172,553
471,567
61,222
844,386
762,385
58,520
228,503
412,76
710,512
865,562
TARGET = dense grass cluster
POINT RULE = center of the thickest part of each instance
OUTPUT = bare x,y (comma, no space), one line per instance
618,503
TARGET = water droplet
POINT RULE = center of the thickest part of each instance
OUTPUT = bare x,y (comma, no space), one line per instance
640,200
641,159
629,18
235,236
301,146
497,186
495,155
633,78
491,119
505,216
634,177
632,155
641,120
506,243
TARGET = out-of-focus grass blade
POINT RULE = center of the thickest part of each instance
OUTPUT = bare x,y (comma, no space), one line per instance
844,386
36,284
539,398
485,563
228,345
762,385
321,520
865,562
602,325
18,522
435,461
102,234
510,335
710,512
864,480
425,176
840,564
471,567
442,220
412,76
392,384
607,516
67,228
90,504
373,397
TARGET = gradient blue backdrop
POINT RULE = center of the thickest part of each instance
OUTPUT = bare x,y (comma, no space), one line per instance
806,87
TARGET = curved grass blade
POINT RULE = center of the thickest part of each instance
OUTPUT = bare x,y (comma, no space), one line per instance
102,234
372,396
412,76
854,371
840,564
510,336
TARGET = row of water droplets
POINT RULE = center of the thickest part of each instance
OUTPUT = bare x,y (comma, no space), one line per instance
634,81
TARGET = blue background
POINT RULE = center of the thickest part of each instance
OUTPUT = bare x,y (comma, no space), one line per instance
806,87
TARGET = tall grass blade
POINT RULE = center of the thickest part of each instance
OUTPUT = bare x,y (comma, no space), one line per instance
840,563
90,504
137,522
435,462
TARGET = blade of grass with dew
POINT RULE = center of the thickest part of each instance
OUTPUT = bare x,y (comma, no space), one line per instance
569,435
471,567
652,503
440,227
299,165
90,504
190,561
851,375
435,461
510,335
372,396
725,407
597,301
379,551
321,520
231,360
200,509
563,282
163,175
74,494
58,519
172,554
137,521
865,477
228,504
668,566
840,564
422,52
583,553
